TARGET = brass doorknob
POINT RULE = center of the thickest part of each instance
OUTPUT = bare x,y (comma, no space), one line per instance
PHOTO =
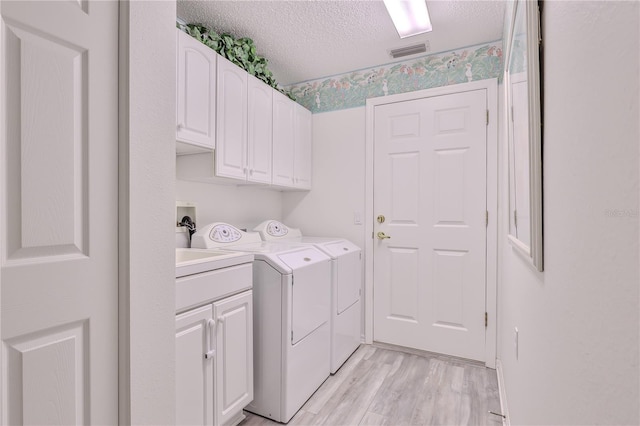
382,235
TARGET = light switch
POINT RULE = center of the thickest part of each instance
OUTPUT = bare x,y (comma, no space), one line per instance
357,218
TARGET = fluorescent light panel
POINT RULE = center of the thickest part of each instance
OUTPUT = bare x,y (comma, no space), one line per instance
410,17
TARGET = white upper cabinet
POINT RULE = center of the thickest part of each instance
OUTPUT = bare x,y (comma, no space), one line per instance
231,123
196,95
302,149
240,127
283,139
291,143
260,131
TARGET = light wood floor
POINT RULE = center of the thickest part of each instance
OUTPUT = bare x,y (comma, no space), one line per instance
388,385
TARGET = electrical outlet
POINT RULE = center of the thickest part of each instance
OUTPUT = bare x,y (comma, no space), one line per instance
515,340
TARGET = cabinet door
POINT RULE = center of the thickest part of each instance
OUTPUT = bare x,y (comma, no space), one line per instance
303,148
260,119
283,139
234,357
196,92
231,123
194,372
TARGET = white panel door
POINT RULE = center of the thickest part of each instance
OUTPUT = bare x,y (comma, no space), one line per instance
260,130
234,357
59,212
194,372
430,186
196,93
231,122
283,139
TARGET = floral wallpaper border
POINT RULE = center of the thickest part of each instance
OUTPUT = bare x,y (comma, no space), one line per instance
351,90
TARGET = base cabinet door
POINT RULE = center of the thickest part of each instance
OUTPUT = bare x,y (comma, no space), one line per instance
234,357
194,372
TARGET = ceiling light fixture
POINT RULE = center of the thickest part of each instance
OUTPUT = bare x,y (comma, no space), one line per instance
410,17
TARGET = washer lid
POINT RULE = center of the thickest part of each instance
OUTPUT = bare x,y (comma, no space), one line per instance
302,257
339,248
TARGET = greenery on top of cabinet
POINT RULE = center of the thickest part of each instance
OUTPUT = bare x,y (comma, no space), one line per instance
240,51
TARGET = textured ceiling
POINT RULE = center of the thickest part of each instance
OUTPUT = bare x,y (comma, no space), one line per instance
308,39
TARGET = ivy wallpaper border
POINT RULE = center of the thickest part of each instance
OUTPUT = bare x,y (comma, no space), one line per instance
351,90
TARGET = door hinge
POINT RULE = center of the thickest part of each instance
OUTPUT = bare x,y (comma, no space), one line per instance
486,320
515,219
487,116
486,217
291,336
512,120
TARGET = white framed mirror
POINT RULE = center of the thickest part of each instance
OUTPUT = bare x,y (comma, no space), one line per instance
522,84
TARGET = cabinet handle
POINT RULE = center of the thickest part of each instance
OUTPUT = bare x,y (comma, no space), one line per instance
211,353
180,126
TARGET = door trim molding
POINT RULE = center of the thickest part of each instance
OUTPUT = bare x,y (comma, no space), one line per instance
491,87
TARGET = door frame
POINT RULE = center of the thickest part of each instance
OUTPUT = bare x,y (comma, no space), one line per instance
491,87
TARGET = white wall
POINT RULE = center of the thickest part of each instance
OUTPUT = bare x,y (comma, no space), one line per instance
147,296
338,179
578,320
241,206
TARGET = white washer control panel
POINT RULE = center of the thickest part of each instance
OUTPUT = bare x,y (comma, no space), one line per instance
272,230
223,233
220,234
277,229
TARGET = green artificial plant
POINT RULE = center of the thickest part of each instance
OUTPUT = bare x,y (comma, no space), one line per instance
240,51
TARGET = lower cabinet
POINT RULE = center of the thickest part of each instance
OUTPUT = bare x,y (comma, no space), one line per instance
214,362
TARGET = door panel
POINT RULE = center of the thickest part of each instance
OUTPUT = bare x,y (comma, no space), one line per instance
283,139
231,120
260,130
349,280
59,276
234,365
194,372
310,299
196,94
404,294
430,184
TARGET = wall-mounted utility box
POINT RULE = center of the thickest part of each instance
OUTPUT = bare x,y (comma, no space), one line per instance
184,208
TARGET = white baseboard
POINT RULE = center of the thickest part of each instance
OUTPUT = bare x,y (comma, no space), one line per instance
506,421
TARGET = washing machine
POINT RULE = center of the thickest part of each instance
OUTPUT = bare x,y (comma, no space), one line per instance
346,284
291,299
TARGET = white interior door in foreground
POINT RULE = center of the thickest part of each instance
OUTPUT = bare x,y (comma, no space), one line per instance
430,186
59,212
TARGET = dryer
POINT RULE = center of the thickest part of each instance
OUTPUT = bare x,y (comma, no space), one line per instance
291,298
346,284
